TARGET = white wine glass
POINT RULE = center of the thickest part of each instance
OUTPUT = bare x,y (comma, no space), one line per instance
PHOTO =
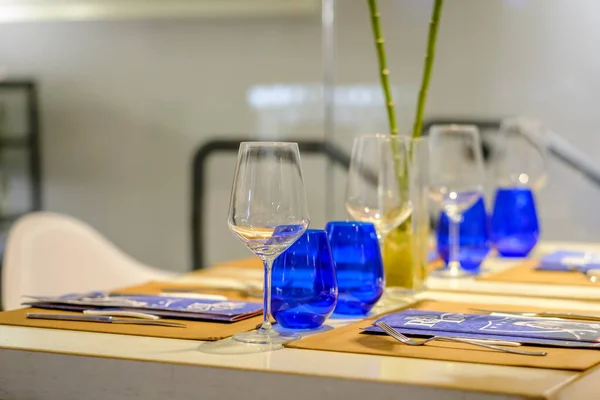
521,154
268,213
378,189
456,181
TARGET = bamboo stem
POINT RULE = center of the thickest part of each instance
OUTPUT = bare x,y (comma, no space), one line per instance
383,70
428,66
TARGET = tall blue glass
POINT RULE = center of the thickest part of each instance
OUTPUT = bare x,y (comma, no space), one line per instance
515,226
304,286
358,266
473,234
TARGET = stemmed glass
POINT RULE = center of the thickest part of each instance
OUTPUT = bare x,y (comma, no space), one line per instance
268,213
456,180
520,171
378,182
521,154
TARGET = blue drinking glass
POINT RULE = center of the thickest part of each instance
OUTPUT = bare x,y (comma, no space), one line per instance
303,283
474,237
358,266
515,227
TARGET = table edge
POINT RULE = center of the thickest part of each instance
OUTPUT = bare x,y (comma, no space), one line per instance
561,385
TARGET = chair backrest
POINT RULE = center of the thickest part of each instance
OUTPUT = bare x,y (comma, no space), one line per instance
52,254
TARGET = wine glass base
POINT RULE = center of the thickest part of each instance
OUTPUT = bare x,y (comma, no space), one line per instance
268,337
452,273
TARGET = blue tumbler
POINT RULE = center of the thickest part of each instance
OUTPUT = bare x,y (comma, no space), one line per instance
515,226
303,283
358,266
474,237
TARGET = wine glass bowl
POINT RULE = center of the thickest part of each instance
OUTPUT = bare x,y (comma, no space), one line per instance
378,182
269,241
521,154
268,213
455,202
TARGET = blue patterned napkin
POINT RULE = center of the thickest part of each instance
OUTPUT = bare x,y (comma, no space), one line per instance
547,332
562,260
165,306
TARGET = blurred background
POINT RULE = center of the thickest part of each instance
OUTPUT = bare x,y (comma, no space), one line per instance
104,104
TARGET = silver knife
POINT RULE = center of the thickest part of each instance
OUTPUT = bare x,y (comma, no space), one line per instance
105,319
550,314
490,341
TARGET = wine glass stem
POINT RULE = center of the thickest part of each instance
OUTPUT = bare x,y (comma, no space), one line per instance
381,240
266,325
454,242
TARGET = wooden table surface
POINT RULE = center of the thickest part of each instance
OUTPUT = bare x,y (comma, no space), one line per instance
59,364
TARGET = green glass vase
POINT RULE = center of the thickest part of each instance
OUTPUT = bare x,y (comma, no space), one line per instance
406,248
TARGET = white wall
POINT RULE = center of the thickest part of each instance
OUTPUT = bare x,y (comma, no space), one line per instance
124,104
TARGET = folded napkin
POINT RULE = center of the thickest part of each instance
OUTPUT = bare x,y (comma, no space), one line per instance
564,260
165,306
547,332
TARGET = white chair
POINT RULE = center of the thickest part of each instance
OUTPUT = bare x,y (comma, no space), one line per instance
52,254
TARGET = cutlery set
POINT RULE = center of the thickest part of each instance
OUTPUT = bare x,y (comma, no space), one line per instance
543,314
481,343
503,329
172,302
104,319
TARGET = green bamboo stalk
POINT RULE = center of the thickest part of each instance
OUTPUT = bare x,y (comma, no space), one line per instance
428,66
384,72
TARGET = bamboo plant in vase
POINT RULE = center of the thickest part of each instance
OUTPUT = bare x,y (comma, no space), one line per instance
405,251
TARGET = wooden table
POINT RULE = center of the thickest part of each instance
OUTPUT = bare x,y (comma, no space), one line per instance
58,364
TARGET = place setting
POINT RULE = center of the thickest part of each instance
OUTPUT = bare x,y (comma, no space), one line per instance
141,311
460,332
560,267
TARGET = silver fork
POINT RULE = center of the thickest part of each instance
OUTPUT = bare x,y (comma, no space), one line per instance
411,342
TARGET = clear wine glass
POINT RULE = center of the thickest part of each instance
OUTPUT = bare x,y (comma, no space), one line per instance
521,153
378,182
456,181
268,213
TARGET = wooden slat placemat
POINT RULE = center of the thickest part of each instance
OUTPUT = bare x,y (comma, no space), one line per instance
350,339
195,330
230,268
525,272
250,262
